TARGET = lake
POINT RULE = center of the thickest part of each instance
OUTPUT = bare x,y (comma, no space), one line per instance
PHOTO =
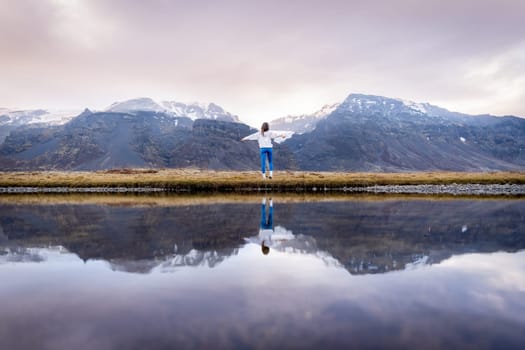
170,271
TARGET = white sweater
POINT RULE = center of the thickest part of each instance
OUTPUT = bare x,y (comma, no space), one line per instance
265,140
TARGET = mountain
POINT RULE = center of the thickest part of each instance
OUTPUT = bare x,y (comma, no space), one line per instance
36,116
177,109
363,133
374,133
303,123
12,119
106,140
133,133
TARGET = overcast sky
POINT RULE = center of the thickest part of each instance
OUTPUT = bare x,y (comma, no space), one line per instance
263,59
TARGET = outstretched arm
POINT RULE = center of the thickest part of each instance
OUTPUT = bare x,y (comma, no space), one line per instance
250,137
283,134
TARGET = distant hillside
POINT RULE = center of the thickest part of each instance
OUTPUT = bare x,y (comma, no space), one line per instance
109,140
13,119
373,133
363,133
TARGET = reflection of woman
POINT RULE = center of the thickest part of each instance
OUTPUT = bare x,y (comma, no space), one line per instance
279,238
268,237
264,238
264,138
266,229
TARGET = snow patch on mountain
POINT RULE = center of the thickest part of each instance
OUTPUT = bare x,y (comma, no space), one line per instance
37,116
304,122
136,104
418,262
369,104
385,106
195,110
417,107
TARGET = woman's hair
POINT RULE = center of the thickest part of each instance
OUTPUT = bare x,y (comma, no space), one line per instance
265,127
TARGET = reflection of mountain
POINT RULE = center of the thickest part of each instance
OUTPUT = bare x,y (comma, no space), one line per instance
285,241
170,263
20,254
196,258
125,235
365,237
375,237
3,237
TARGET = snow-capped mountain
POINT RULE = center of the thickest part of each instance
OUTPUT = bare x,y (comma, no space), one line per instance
363,133
374,133
37,116
359,105
193,110
13,119
369,104
378,105
136,104
304,122
61,116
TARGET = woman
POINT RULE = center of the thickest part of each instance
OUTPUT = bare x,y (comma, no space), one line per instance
264,137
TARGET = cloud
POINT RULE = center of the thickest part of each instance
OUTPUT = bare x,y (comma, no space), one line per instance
263,59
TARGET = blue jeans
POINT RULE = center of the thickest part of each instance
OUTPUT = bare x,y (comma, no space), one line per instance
266,152
266,222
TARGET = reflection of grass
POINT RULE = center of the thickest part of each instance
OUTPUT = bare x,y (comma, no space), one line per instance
204,180
170,200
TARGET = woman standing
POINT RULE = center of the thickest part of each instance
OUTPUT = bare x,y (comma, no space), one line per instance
264,137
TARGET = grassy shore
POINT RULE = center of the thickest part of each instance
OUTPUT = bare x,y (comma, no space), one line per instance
170,199
203,180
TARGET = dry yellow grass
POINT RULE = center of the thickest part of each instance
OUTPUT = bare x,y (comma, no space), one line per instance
205,180
170,200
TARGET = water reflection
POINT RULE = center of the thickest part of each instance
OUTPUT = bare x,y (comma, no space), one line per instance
379,274
366,237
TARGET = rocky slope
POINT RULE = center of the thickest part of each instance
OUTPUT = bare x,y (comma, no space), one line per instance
363,133
107,140
13,119
372,133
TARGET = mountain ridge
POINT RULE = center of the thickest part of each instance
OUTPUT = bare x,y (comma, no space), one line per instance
362,133
193,111
373,133
357,103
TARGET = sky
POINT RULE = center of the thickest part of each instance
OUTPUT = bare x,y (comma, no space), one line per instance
264,59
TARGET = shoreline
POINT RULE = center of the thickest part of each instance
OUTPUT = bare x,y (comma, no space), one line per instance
514,190
205,181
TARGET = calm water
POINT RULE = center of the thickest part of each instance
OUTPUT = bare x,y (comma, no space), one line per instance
167,274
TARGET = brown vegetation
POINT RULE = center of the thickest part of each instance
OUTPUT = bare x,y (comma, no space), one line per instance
171,199
204,180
